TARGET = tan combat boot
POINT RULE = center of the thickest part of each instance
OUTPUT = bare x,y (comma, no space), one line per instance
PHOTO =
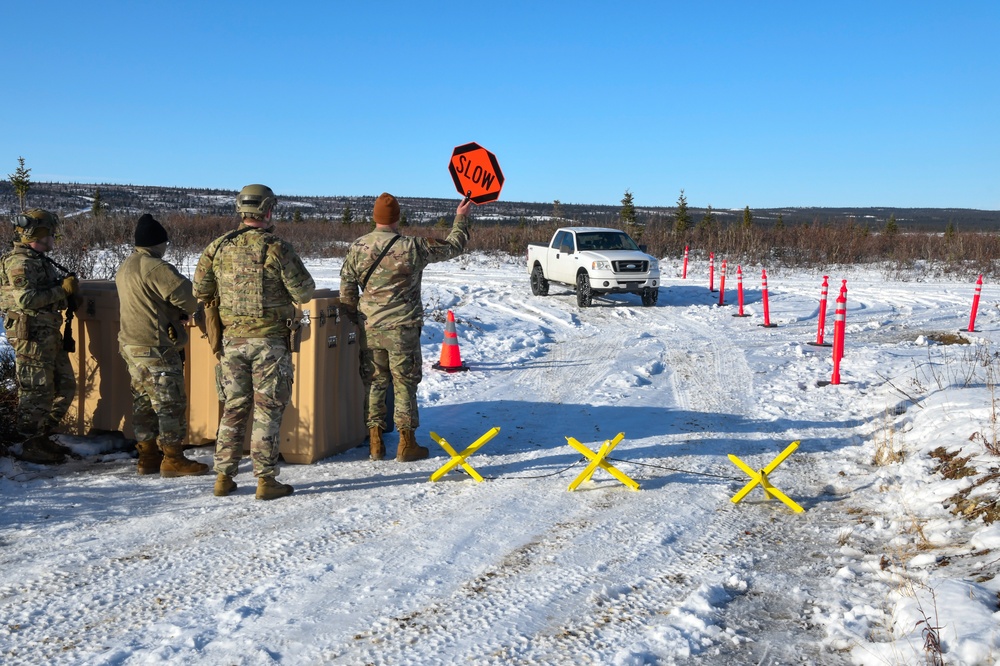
377,446
224,485
175,464
269,488
150,457
409,450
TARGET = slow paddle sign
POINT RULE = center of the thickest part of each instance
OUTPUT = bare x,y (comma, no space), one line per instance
476,173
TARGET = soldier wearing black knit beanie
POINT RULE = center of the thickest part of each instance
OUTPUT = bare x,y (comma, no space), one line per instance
149,232
155,301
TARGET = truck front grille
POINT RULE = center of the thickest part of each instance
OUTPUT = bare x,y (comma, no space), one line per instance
630,266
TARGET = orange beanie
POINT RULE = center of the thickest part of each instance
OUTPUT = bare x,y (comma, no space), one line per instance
386,209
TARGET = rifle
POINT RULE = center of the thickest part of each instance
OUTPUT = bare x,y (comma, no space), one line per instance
69,344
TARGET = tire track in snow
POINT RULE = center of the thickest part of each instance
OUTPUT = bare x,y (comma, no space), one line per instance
578,355
711,374
591,609
524,310
137,588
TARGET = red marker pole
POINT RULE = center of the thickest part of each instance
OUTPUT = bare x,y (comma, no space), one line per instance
839,323
767,310
975,305
711,271
684,273
821,325
739,290
722,284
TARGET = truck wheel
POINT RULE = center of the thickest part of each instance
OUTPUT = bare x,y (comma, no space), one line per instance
583,293
539,285
649,297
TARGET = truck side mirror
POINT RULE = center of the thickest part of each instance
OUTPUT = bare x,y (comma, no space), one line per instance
642,248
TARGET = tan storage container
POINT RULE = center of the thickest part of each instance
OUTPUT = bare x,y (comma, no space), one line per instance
204,408
103,397
325,415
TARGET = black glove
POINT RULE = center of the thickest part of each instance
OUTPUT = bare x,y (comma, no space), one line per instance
350,311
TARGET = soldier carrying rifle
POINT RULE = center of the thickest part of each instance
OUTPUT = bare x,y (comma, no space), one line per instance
34,292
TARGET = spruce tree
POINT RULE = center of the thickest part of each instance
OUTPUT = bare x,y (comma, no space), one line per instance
21,180
557,211
627,214
97,207
627,217
779,224
707,220
404,221
747,218
297,216
890,226
682,219
347,217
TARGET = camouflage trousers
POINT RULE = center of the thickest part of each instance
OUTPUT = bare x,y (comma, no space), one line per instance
158,398
255,378
366,368
46,384
395,357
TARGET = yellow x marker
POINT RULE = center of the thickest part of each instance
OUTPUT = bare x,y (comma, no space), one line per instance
770,492
459,458
597,460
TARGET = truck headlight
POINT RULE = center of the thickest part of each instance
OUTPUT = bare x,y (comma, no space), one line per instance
600,265
654,265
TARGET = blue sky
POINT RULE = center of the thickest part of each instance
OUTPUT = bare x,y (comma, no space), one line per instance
759,104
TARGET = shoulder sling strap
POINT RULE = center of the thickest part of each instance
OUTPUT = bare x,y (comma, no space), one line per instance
364,280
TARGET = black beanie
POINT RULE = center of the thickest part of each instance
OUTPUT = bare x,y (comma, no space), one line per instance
149,232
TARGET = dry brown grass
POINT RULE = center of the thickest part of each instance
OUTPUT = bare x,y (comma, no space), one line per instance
8,402
817,244
888,447
840,242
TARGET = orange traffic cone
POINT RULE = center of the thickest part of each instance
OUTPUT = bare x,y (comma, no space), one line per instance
451,358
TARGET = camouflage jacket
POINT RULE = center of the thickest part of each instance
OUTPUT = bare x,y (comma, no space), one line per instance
257,277
392,297
153,298
32,286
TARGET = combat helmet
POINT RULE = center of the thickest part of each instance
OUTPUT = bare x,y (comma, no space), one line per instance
255,201
35,224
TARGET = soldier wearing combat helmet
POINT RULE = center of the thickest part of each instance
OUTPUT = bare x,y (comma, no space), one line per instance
256,278
35,291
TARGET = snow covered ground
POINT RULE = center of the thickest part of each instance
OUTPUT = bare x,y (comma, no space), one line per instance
370,562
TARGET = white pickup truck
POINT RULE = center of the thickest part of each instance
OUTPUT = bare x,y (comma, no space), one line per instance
594,261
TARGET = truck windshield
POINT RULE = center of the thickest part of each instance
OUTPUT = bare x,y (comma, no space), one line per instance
605,240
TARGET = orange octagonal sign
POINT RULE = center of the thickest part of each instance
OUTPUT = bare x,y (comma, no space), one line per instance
476,173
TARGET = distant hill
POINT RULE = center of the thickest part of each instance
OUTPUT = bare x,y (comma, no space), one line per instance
69,199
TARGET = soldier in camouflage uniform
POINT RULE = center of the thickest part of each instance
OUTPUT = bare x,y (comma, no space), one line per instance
34,294
155,302
256,277
389,307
